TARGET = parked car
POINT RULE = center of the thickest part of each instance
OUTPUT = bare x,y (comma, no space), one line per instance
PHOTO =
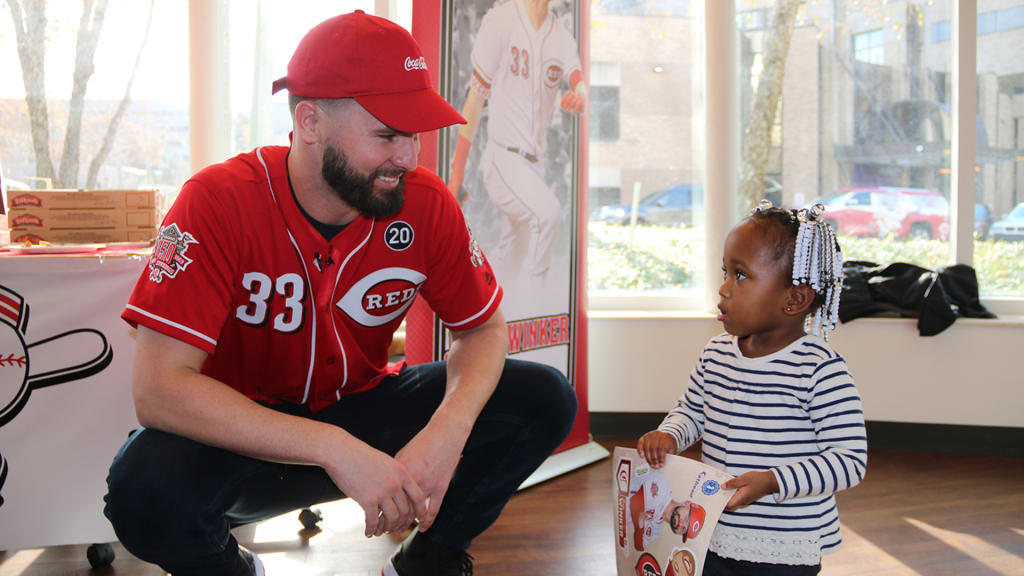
1011,226
925,213
881,211
676,206
864,212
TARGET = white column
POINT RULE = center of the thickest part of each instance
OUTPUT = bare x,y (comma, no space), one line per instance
965,131
209,81
722,138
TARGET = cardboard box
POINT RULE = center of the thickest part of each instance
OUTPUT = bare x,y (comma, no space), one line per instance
56,219
81,199
82,236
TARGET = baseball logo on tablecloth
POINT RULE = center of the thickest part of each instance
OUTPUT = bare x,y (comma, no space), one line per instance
61,358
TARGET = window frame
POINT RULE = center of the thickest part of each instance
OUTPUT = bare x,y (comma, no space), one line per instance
722,152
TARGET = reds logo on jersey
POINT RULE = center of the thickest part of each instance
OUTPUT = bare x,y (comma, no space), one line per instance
553,75
476,255
169,253
381,296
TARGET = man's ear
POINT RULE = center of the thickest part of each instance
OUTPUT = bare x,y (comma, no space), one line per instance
308,119
801,298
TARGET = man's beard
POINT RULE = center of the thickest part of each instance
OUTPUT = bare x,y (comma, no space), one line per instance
358,191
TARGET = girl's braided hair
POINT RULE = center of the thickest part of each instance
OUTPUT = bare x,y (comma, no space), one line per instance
808,246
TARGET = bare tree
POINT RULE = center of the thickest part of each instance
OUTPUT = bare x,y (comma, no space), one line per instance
115,120
30,29
757,142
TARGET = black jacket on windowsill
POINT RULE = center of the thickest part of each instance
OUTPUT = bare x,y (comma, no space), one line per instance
935,298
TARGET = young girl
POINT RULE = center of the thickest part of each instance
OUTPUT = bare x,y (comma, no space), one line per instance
775,405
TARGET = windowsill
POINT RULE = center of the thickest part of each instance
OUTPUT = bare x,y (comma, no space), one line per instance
1007,320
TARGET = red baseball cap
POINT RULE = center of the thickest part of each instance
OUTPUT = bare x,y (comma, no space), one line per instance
374,61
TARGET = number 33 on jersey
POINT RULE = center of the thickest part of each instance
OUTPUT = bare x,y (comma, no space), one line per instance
286,315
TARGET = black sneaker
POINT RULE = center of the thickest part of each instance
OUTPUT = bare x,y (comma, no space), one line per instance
418,556
251,561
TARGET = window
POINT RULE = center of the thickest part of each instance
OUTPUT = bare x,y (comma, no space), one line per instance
268,36
604,100
999,231
871,136
986,23
869,47
1010,19
942,31
138,53
646,138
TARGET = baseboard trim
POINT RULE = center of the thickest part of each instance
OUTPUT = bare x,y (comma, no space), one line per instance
905,436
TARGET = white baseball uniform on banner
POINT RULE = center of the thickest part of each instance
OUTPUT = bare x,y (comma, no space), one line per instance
519,68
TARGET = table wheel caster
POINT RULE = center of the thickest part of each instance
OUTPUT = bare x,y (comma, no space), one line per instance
310,517
100,555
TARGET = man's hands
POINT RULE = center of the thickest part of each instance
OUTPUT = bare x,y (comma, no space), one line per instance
382,487
750,487
654,445
431,457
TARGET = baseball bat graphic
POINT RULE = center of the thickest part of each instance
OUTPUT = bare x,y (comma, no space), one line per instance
26,367
68,356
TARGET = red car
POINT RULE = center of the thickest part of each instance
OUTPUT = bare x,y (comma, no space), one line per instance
881,211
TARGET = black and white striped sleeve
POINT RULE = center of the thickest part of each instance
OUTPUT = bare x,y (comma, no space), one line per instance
835,409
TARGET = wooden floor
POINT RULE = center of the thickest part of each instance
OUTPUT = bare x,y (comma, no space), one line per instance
915,514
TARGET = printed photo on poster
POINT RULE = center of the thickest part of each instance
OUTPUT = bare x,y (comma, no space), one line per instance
516,77
664,517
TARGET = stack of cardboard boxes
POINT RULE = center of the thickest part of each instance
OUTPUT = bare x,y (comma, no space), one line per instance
81,216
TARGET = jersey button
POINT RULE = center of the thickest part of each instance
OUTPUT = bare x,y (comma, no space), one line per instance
331,360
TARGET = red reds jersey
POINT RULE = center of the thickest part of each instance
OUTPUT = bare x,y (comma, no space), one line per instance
286,315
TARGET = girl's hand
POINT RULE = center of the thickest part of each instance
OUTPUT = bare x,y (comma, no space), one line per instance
654,445
750,487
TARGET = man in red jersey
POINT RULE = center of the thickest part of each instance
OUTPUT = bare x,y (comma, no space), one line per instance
261,373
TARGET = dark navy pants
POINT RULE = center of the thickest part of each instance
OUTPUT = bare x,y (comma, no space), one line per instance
173,501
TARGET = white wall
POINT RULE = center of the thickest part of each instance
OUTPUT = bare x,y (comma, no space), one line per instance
972,373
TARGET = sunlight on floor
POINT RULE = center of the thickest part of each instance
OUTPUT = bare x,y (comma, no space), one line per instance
998,559
280,563
339,516
881,560
21,560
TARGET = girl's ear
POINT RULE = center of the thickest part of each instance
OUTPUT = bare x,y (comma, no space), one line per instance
801,298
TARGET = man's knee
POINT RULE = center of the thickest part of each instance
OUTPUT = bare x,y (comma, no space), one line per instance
145,502
549,397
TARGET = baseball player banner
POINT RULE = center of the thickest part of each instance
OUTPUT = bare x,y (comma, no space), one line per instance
65,403
664,518
514,70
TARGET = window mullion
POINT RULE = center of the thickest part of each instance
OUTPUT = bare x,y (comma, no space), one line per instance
965,131
722,137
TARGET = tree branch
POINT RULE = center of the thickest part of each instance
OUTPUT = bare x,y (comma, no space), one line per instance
115,121
758,142
89,27
30,30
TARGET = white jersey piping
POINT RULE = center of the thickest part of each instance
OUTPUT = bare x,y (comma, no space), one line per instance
181,327
312,341
477,315
344,358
